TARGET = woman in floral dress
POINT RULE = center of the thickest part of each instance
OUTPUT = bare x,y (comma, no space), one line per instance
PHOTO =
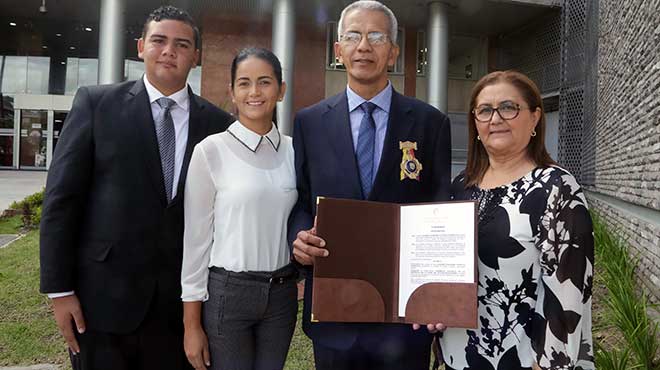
535,240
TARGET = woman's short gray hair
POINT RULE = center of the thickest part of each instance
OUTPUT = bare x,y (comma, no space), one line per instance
370,5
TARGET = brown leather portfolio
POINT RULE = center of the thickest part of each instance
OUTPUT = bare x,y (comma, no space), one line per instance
359,280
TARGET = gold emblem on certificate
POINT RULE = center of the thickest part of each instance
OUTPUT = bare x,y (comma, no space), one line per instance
410,166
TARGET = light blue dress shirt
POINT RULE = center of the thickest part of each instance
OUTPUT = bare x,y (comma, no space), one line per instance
381,114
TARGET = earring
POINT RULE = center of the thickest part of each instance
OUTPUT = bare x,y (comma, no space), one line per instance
478,138
533,133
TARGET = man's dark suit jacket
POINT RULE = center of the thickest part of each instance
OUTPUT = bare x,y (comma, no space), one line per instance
326,166
107,231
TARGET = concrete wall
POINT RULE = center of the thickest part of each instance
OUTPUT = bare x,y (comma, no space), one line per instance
627,154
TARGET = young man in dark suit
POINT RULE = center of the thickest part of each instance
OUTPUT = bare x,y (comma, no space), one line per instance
368,142
112,222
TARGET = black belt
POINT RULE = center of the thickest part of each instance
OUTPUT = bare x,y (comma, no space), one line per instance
279,276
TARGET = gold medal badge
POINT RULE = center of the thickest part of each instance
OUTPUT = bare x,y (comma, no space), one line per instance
410,166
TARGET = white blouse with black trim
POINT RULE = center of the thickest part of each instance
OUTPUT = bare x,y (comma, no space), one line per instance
240,189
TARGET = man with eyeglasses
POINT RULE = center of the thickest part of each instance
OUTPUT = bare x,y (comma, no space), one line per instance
368,142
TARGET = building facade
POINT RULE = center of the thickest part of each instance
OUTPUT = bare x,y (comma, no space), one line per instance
446,46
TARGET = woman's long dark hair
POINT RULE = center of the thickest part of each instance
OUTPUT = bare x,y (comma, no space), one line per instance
477,162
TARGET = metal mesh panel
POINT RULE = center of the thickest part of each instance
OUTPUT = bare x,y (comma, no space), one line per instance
578,93
534,50
590,95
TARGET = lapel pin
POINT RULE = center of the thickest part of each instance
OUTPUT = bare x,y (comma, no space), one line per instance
410,166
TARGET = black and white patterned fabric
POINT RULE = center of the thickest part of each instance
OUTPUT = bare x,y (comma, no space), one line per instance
536,256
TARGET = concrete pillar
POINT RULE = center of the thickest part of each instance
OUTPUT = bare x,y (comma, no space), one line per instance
438,55
284,46
111,41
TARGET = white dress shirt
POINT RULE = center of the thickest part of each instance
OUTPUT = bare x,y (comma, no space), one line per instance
240,189
180,115
381,115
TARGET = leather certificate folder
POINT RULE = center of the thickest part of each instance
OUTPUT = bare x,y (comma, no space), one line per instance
359,280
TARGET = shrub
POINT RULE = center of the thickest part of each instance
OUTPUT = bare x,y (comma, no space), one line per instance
30,207
627,306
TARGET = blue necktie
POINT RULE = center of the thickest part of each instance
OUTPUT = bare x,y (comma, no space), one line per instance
365,148
166,142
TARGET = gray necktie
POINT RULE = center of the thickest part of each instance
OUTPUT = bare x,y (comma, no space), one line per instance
166,142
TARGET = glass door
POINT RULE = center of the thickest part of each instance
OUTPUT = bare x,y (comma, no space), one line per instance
58,124
33,139
6,131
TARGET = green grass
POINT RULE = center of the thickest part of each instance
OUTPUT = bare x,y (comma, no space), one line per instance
10,225
28,334
301,356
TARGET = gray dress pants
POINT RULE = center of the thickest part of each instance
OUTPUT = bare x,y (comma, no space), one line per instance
249,319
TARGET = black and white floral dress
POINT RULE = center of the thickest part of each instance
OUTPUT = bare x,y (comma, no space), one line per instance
536,255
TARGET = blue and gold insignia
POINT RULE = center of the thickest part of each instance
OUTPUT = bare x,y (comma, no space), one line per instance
410,166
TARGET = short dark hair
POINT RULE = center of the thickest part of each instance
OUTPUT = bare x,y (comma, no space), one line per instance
477,162
261,53
172,13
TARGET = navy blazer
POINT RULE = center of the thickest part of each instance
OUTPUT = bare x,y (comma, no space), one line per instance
326,166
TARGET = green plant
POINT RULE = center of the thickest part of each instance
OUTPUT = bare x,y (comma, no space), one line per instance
31,201
614,360
35,219
30,208
626,308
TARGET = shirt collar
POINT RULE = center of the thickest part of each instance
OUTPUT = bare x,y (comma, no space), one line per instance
383,99
181,97
251,139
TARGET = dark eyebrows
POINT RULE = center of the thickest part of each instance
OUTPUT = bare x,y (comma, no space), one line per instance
258,78
163,37
498,104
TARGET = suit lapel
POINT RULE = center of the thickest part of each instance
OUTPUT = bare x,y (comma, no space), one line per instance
337,121
139,111
197,129
399,124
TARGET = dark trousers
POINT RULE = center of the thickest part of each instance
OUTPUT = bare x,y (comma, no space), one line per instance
385,356
249,319
156,344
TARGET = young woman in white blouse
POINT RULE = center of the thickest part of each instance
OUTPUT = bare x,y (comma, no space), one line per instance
238,286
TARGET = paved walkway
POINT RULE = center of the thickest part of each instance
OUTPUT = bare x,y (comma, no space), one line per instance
5,240
16,185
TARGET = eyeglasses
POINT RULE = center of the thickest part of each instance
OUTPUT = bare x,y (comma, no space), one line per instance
373,38
506,110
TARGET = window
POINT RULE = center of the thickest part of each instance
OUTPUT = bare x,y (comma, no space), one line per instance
14,76
133,69
333,64
38,73
80,72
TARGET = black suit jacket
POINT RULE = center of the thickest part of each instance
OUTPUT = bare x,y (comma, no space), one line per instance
107,230
326,166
